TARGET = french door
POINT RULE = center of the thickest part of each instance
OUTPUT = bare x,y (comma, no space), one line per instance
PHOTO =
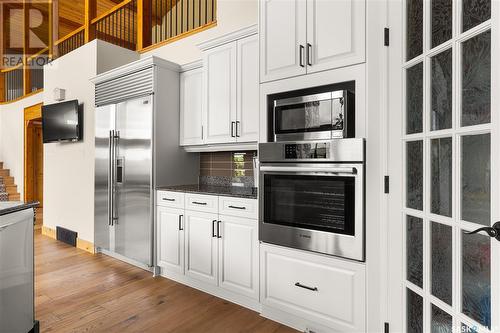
444,155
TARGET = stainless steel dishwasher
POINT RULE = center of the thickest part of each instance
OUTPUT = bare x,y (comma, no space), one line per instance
16,268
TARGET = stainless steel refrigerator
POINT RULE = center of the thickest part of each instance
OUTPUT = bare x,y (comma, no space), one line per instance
136,149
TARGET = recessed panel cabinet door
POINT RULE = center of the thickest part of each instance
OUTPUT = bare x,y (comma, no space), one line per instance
170,239
335,34
201,246
238,256
191,131
282,39
248,90
220,83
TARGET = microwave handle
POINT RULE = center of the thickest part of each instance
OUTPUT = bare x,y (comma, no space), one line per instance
335,170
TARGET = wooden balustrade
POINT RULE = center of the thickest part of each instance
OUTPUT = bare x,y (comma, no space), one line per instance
174,18
70,42
13,83
119,25
133,24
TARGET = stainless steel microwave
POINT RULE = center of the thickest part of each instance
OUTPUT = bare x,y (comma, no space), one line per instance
322,116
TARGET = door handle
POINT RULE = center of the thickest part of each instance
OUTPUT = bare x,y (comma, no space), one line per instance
180,222
232,129
213,228
301,55
300,285
238,126
218,229
309,54
493,231
236,207
110,177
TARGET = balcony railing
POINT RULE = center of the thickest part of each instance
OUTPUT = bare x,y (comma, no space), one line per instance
119,26
139,25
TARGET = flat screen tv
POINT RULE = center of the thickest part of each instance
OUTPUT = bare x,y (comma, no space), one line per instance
62,122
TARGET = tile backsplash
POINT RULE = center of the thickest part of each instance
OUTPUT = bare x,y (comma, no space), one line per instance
226,168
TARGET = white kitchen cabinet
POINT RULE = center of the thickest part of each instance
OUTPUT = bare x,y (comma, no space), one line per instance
335,34
306,36
283,38
220,93
170,238
247,95
201,246
191,105
239,256
321,290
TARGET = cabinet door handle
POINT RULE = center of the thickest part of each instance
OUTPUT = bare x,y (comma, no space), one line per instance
237,207
218,229
180,222
300,285
200,203
168,199
301,55
232,129
238,127
309,54
213,228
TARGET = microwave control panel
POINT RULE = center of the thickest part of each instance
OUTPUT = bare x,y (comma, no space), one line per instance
307,151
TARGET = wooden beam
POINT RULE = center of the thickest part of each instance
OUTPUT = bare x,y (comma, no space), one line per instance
51,28
90,14
144,24
26,48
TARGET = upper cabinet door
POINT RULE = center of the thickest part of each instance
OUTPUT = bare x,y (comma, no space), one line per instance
247,126
191,131
335,34
282,39
220,83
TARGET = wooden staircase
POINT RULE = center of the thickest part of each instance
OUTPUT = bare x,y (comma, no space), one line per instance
8,186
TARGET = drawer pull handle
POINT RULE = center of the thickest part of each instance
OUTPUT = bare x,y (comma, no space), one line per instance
236,207
167,199
298,284
199,203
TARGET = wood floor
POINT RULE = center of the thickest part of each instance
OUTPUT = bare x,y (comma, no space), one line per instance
78,292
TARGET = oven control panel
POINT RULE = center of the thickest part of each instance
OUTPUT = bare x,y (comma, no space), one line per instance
305,151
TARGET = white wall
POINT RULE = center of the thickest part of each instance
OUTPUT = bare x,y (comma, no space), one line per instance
12,137
231,15
69,167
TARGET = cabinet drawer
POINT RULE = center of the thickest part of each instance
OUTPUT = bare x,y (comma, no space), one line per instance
315,287
238,207
170,199
202,203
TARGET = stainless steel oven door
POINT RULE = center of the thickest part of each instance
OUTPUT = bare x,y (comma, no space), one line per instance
313,206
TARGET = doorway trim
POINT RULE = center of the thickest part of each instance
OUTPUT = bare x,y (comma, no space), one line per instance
30,113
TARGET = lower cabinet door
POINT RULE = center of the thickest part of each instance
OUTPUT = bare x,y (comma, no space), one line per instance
320,289
201,246
239,256
170,239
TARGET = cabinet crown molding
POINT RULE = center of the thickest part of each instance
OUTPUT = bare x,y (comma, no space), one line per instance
227,38
192,65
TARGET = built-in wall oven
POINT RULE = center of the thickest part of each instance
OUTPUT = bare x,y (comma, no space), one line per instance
312,196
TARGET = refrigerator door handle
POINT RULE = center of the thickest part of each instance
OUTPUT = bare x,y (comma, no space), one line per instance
110,178
116,136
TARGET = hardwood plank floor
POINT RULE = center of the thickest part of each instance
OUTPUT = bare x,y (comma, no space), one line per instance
79,292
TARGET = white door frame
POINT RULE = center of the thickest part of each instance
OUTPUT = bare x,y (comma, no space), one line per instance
396,267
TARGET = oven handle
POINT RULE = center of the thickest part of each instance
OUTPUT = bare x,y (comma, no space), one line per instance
335,170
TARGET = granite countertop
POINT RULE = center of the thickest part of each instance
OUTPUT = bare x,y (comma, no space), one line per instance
230,191
9,207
